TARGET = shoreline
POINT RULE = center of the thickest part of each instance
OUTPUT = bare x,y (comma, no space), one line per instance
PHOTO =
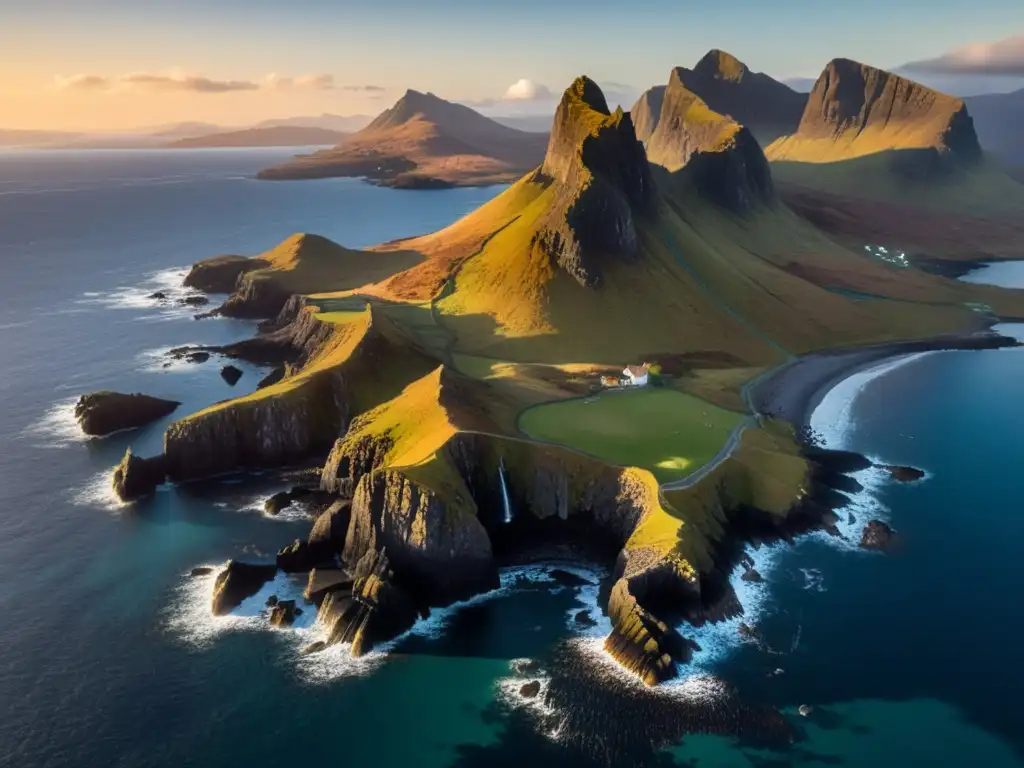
793,391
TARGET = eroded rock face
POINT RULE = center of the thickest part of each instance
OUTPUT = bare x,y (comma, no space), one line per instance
323,581
283,613
104,412
603,182
255,299
647,111
349,461
440,554
237,582
136,477
256,434
331,527
220,274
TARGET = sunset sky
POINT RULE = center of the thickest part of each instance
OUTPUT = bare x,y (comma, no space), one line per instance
102,65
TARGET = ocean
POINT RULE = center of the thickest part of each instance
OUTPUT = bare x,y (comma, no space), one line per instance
110,656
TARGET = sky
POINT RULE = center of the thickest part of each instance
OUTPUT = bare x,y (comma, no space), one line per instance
111,65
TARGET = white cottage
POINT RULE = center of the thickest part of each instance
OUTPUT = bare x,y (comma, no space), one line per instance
637,375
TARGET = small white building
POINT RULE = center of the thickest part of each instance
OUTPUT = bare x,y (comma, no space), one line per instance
636,375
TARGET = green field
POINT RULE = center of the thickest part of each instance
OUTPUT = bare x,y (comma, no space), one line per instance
670,433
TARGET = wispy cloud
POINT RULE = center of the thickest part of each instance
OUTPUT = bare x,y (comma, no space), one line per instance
1002,58
179,81
278,82
364,88
81,82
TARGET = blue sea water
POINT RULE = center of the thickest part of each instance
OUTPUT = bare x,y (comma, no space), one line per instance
109,655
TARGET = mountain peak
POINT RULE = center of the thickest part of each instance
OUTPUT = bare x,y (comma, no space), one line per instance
721,65
855,109
602,179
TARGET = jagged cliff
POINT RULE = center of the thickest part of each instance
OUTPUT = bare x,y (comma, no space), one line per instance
603,182
708,152
856,110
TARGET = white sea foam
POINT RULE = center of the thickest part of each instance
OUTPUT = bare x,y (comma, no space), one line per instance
57,428
139,296
99,492
160,360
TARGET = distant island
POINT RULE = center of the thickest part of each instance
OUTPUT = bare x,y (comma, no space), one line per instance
280,136
424,142
619,352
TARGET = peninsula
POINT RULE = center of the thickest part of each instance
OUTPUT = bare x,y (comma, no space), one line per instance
470,393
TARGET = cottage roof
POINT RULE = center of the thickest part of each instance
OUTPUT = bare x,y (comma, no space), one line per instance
637,370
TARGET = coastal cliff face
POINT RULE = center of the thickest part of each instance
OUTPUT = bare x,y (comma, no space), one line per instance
254,298
708,152
220,274
441,555
603,182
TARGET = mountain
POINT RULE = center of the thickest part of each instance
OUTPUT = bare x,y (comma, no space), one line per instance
646,111
182,130
766,107
424,141
593,260
282,136
528,123
998,118
714,154
327,121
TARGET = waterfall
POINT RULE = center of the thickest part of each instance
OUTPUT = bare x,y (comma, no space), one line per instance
506,504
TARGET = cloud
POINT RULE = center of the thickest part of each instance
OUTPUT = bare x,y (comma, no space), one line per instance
525,89
179,81
81,82
619,94
276,82
1002,58
364,88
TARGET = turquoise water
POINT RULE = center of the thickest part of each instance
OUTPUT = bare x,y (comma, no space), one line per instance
110,657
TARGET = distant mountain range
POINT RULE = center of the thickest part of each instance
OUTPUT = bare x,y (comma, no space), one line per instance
999,121
278,136
424,141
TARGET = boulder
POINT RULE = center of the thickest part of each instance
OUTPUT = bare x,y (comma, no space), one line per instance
202,570
194,301
271,601
530,690
197,357
316,647
158,295
904,474
877,535
324,580
277,502
283,613
104,412
230,374
237,582
136,477
299,557
584,620
328,532
752,575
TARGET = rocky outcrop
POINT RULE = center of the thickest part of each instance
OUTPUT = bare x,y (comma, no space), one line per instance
904,474
255,298
237,582
878,536
231,374
323,581
221,273
331,527
377,610
709,152
283,613
349,460
136,477
102,413
439,554
299,557
603,182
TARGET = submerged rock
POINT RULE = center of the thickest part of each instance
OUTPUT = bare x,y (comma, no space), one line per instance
157,295
530,690
877,535
104,412
584,620
237,582
230,374
194,301
136,477
202,570
904,474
